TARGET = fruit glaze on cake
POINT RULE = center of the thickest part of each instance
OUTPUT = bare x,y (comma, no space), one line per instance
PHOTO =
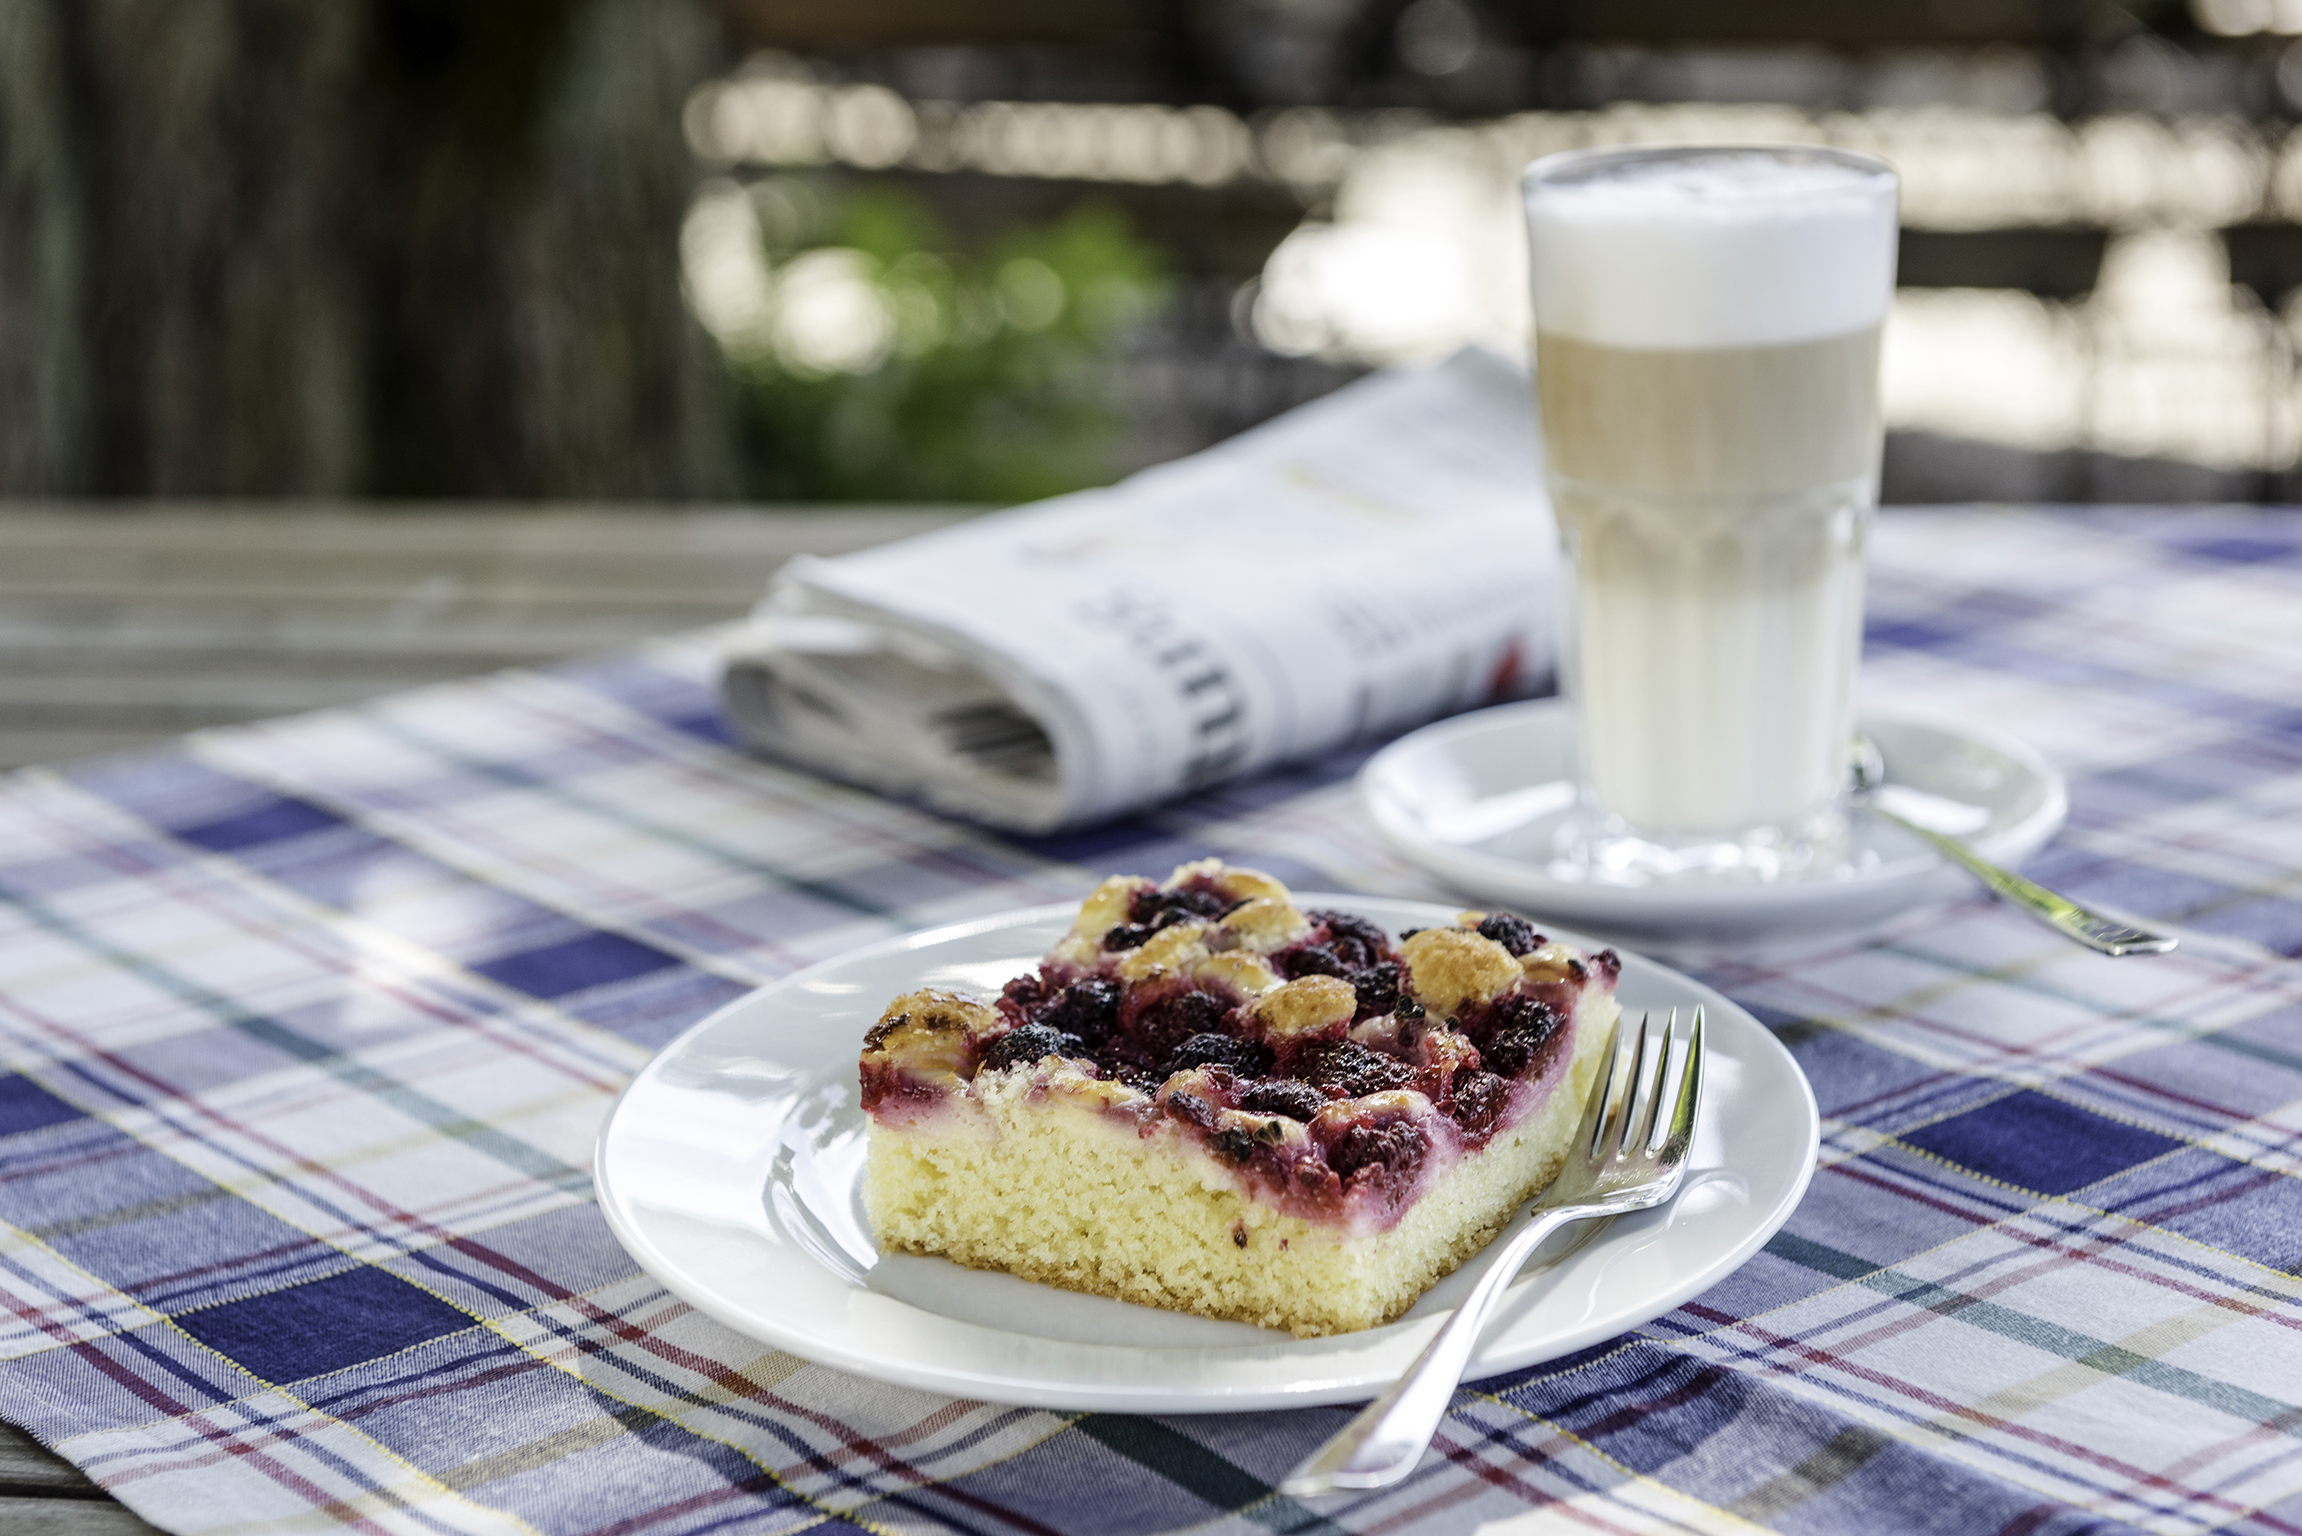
1208,1100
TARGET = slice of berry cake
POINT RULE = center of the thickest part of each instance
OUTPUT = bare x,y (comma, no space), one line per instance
1208,1100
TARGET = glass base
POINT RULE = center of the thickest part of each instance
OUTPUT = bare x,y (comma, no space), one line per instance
1594,846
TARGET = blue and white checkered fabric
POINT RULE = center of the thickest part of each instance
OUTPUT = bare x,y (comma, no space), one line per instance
307,1028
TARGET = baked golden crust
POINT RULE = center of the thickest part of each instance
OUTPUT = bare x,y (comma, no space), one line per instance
1453,966
1306,1006
929,1034
1266,923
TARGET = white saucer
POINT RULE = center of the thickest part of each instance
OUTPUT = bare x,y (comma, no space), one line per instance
1476,799
731,1170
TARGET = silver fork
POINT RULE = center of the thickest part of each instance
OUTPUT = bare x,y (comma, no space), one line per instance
1614,1166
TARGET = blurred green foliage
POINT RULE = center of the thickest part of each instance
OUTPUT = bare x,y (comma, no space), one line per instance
890,363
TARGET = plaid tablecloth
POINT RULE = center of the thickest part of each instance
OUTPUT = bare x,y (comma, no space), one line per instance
307,1028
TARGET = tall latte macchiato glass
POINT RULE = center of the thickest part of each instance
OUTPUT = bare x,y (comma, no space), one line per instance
1706,361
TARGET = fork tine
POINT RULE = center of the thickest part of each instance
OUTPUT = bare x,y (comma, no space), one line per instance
1602,1090
1689,1095
1619,1080
1619,1130
1654,1058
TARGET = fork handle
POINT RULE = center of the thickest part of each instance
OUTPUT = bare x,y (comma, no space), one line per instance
2105,935
1382,1445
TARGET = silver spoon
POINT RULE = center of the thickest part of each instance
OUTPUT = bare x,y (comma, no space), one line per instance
2104,934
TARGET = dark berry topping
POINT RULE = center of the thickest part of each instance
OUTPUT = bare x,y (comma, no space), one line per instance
1350,1069
1023,996
1150,911
1288,1096
1022,1047
1477,1101
1522,1027
1355,941
1161,909
1233,1144
1378,989
1408,1009
1238,1235
1168,1022
1191,1107
1511,931
1396,1148
1310,960
1088,1009
1517,1010
1407,933
1247,1058
1608,964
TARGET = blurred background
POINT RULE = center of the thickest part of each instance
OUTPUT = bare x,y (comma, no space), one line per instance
347,345
842,250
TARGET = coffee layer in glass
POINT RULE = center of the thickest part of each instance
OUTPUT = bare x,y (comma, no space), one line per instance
1707,356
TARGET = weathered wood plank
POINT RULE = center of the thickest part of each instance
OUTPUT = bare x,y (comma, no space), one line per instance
319,642
126,626
26,1464
24,748
99,1516
41,1492
169,547
151,695
333,527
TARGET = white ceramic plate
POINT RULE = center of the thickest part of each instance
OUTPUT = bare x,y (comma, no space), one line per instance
731,1169
1476,799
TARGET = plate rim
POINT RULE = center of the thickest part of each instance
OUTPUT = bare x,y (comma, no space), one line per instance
1040,1392
1653,910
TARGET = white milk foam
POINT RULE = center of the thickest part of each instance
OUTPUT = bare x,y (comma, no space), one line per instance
1713,248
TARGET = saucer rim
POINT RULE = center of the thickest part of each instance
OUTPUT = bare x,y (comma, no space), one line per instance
1664,906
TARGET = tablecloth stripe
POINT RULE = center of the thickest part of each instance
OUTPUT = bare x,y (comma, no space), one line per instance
305,1028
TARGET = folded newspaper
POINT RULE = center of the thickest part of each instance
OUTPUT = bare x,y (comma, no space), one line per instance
1365,563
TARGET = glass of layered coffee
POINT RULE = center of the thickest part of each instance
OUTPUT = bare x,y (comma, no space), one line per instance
1706,342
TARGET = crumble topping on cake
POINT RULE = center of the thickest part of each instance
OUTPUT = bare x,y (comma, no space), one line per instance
1259,1074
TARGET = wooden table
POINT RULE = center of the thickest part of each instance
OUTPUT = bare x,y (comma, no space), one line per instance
123,627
